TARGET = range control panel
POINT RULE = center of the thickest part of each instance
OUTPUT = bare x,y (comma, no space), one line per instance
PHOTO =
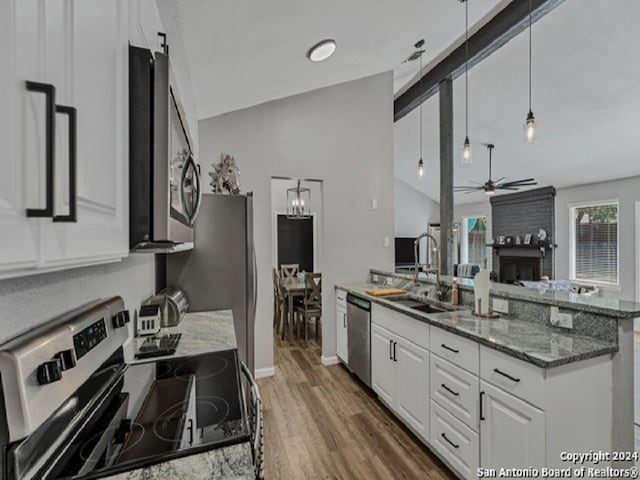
88,338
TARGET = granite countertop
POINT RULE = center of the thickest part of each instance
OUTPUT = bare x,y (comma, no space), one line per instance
532,342
202,332
228,463
613,307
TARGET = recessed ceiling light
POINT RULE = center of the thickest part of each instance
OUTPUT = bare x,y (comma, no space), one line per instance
322,50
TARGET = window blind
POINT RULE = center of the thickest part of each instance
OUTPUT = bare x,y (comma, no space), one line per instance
596,243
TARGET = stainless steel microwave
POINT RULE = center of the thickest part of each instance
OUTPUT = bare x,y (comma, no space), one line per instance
164,178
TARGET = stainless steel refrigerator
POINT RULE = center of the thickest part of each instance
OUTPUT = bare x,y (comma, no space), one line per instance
220,272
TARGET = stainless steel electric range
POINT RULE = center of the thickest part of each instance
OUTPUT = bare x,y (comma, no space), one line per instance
72,408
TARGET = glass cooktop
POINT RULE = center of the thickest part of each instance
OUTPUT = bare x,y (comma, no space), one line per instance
155,412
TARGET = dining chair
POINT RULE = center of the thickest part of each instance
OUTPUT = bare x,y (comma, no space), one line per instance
311,307
281,306
289,270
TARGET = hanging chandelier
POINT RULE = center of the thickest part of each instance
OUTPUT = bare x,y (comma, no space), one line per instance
298,202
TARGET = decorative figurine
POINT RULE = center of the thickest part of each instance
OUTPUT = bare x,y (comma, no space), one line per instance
225,178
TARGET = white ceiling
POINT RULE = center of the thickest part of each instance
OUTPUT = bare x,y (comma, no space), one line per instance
245,52
586,98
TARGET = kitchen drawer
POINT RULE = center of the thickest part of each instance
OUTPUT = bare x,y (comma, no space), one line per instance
401,324
454,441
458,350
519,378
341,298
456,390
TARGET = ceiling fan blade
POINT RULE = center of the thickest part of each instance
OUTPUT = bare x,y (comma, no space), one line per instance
523,180
520,183
507,188
476,183
500,180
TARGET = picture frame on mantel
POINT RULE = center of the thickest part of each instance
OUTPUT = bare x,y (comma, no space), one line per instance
527,239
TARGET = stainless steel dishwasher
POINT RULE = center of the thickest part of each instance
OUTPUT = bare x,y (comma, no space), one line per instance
359,337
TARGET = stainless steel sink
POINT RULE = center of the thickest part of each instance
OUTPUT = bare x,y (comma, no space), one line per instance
417,305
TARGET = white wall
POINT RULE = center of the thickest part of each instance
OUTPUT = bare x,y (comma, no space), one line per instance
30,301
627,191
414,211
342,135
279,188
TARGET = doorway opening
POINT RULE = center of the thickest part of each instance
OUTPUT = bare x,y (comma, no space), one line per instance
298,316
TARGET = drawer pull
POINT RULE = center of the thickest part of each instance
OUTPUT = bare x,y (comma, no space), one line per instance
481,406
449,348
395,359
450,391
513,379
449,441
390,349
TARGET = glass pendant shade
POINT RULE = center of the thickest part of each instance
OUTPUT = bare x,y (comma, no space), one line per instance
530,128
420,169
298,202
466,152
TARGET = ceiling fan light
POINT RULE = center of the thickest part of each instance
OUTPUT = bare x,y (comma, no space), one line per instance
491,191
530,128
420,168
466,152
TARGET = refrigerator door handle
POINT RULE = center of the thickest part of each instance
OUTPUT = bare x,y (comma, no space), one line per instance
255,284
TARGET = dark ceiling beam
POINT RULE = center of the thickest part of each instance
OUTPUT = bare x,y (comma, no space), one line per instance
505,25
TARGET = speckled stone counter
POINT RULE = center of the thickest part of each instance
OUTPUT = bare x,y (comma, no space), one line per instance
228,463
202,332
612,307
529,341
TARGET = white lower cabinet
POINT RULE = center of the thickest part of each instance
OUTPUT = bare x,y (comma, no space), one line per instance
512,432
342,344
454,441
400,377
456,390
476,407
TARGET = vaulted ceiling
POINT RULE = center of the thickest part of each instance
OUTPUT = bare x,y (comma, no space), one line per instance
245,52
586,98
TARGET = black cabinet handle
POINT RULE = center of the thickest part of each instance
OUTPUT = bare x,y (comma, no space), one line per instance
513,379
481,406
395,359
449,441
73,135
450,391
450,349
390,349
50,126
344,320
190,428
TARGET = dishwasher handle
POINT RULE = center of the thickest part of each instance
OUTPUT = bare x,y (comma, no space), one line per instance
359,302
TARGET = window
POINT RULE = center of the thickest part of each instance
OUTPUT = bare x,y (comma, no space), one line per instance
475,240
594,242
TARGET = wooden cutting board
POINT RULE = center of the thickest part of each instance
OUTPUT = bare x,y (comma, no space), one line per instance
383,292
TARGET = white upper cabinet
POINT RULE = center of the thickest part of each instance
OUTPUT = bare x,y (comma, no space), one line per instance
77,50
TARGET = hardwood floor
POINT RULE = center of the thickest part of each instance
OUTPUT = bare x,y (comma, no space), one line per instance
321,424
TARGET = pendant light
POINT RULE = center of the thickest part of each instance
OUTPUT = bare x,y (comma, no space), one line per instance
530,124
419,52
298,203
466,147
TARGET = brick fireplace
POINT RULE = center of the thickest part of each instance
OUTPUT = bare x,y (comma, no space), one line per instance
519,214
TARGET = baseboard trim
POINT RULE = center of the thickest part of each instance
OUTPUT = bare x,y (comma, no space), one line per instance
326,361
265,372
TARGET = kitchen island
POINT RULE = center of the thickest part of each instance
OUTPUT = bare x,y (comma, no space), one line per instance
202,332
513,391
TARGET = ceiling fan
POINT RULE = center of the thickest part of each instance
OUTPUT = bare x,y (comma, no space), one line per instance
490,186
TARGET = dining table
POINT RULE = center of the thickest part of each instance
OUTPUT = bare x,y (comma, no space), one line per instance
292,287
